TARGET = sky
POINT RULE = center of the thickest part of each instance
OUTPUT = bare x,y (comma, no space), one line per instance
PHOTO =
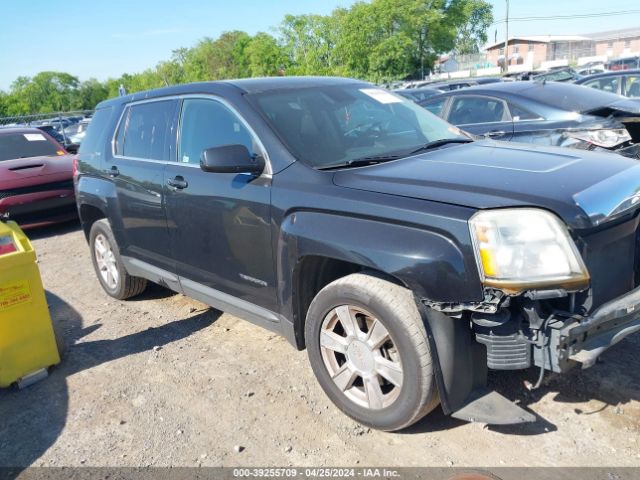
107,38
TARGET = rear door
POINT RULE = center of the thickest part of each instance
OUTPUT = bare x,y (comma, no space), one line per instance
219,223
481,115
141,150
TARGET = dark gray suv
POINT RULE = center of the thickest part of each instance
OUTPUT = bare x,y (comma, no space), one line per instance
404,256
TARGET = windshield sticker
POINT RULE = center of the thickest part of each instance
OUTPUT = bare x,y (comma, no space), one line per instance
34,137
381,95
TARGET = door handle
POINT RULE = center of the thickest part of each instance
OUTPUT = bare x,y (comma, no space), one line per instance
114,172
178,182
495,133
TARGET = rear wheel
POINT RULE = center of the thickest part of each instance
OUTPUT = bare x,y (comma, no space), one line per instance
108,265
368,349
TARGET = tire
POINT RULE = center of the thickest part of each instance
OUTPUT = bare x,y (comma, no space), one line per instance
109,268
407,382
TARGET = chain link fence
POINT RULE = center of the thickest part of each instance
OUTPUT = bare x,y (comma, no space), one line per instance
63,126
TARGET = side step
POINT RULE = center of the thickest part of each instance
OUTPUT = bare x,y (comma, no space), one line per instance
488,406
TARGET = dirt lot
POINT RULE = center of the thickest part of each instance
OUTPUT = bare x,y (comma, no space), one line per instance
163,380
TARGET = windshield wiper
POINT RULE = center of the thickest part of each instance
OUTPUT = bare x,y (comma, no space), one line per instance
362,162
440,143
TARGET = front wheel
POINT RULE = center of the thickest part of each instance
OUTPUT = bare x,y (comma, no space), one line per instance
368,348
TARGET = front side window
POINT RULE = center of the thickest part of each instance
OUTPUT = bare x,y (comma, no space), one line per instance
468,110
146,130
332,125
633,86
207,124
609,84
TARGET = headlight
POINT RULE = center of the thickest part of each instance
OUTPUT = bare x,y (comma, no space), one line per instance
602,138
525,248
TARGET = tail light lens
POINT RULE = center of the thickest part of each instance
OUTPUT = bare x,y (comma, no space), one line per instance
75,166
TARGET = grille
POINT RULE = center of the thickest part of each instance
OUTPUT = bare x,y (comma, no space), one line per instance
43,187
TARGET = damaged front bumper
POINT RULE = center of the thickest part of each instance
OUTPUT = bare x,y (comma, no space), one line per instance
583,339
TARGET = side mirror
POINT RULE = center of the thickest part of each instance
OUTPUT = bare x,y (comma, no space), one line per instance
231,159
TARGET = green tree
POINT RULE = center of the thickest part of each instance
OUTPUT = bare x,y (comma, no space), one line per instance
265,57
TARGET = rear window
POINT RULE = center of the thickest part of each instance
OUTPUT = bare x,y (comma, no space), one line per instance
574,98
25,145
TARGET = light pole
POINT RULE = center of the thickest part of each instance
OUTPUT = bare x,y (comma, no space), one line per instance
506,42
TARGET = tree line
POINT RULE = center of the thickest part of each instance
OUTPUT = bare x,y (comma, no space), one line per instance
379,41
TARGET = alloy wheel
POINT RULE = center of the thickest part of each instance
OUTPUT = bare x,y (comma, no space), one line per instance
361,357
106,261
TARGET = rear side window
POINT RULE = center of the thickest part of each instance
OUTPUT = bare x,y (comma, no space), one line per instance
96,136
26,145
146,130
519,113
468,110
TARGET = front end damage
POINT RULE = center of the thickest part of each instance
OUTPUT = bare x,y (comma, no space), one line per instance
552,329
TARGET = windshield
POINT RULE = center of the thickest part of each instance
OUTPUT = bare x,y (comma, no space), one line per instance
575,98
24,145
334,125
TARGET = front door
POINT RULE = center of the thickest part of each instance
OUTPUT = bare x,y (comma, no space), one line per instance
219,223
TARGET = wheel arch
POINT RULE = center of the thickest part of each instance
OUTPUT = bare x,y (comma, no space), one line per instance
315,248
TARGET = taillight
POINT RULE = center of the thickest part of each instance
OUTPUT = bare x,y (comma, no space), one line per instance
7,246
75,166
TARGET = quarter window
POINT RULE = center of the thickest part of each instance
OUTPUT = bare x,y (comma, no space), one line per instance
146,130
206,124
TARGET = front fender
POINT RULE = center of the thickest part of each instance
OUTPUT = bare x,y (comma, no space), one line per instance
426,261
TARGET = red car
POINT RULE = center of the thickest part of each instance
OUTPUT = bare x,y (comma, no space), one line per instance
36,178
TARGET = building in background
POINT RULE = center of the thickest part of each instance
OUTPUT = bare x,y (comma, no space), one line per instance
537,50
616,43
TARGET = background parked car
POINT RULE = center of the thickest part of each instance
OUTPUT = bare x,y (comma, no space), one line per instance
627,63
76,132
550,113
564,74
418,94
36,178
620,82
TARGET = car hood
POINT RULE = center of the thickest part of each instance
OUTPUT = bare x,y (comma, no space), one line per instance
25,172
586,189
624,106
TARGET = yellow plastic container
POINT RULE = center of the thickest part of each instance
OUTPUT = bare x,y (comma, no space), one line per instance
27,342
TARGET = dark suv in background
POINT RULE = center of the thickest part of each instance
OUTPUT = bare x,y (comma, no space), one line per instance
406,257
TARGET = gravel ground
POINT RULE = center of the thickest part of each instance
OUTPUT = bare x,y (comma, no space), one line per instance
163,380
